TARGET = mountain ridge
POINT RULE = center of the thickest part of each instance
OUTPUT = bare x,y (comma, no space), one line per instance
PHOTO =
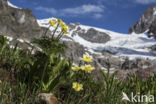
147,22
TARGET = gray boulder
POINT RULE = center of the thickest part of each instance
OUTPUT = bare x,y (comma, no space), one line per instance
95,36
74,51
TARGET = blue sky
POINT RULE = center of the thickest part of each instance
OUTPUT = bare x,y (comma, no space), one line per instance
115,15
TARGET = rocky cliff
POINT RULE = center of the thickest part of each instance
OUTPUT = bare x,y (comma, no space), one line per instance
19,23
147,23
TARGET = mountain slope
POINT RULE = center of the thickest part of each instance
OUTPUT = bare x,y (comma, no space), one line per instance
128,45
122,51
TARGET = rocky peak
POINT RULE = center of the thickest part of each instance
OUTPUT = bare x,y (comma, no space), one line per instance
17,22
146,22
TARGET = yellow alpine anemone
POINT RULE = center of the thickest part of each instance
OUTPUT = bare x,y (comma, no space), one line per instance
83,67
75,68
87,58
64,28
52,23
77,86
60,21
89,68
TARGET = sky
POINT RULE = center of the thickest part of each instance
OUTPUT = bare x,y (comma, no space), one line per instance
114,15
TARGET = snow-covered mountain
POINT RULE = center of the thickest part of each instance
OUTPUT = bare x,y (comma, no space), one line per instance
124,51
121,45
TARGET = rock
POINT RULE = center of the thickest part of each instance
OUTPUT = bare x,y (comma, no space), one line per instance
153,49
20,23
146,22
146,73
47,98
141,73
152,29
95,36
108,59
3,4
137,64
72,26
74,51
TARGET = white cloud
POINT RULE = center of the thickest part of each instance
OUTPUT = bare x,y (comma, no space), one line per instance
84,9
145,1
125,3
48,10
95,10
97,16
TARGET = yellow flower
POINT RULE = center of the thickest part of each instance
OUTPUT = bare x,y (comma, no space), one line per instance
52,23
60,21
64,28
89,68
83,68
77,86
75,68
87,58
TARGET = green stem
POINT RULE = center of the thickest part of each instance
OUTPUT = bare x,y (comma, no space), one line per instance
44,71
69,96
54,31
59,36
46,30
